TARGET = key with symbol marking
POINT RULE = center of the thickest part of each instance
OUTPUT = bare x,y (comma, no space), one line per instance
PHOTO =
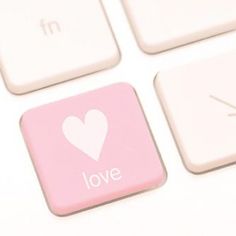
99,149
47,42
199,101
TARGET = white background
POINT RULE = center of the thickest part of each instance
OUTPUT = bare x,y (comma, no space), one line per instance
186,205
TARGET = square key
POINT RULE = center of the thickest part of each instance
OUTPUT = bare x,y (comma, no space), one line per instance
92,148
48,42
199,101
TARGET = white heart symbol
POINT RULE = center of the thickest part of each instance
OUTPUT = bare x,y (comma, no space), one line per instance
88,136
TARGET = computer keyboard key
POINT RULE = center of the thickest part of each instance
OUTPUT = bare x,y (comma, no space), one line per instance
92,148
46,42
199,101
163,24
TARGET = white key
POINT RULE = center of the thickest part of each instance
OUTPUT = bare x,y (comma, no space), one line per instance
199,101
48,41
163,24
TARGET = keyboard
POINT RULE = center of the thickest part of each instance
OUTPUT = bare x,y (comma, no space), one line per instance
117,100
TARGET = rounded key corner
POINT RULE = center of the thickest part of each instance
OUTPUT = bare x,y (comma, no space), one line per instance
12,86
163,177
22,119
15,89
148,48
57,210
60,209
25,117
125,85
156,79
157,85
25,114
115,59
196,168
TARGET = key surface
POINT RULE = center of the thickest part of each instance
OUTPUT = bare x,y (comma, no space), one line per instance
199,101
160,24
99,149
47,42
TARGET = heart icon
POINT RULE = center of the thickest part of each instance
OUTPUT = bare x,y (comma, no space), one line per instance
88,136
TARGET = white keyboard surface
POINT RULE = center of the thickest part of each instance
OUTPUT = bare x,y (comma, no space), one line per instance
186,204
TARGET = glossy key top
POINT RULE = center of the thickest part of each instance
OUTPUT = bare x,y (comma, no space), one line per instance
163,24
46,42
92,148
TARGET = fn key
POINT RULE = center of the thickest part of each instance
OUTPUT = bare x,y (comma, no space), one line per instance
47,42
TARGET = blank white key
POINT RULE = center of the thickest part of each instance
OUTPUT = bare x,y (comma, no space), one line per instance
163,24
48,41
199,101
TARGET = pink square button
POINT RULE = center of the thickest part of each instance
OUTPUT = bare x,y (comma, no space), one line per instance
92,148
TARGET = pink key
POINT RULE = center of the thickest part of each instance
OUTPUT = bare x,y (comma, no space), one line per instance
92,148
